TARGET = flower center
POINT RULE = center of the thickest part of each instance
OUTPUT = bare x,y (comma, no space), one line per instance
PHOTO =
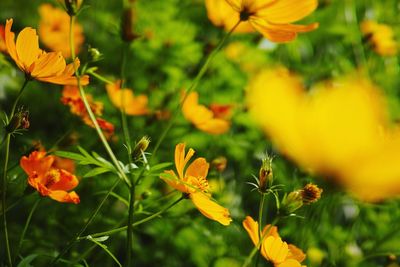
245,13
52,177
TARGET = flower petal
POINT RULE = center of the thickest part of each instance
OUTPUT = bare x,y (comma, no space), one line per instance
210,209
287,11
275,249
198,168
181,159
27,47
251,226
63,196
67,181
48,65
36,163
10,43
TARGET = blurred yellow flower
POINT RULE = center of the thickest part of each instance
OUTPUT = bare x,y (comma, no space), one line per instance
210,120
340,130
381,37
54,28
36,63
272,247
134,105
273,19
192,181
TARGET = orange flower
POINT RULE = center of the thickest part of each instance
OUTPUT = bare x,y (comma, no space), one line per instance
3,47
273,248
72,98
134,105
272,18
381,36
54,28
48,179
36,63
194,184
210,121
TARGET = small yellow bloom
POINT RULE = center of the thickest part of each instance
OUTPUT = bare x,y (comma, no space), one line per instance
381,37
54,30
134,105
193,182
36,63
272,18
340,130
272,247
208,120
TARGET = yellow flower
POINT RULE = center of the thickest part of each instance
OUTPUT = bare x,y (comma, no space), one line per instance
272,247
340,130
208,120
272,18
380,36
36,63
134,105
54,30
192,181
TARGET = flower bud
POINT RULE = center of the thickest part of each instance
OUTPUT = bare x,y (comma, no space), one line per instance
265,174
146,194
20,120
72,6
311,193
94,54
128,20
219,163
292,202
140,147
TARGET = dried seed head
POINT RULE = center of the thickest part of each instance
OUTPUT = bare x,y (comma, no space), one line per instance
311,193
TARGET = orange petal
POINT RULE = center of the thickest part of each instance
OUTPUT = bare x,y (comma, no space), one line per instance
251,227
287,11
181,159
172,180
273,34
275,249
214,126
48,65
210,209
63,196
10,43
67,181
27,46
296,253
289,263
36,163
198,168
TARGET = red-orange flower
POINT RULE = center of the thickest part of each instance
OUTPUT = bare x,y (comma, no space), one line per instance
48,179
3,47
193,182
72,98
38,64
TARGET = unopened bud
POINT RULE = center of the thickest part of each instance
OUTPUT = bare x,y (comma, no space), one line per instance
140,147
219,163
128,21
311,193
71,6
265,174
94,54
20,120
292,202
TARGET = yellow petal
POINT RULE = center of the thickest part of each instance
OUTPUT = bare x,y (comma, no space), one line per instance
27,46
181,159
274,34
287,11
296,253
235,4
289,263
172,180
48,65
10,43
275,249
251,227
214,126
63,196
210,209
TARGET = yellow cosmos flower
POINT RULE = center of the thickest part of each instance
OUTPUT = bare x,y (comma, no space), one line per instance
134,105
208,120
272,247
54,28
36,63
272,18
192,181
381,37
340,130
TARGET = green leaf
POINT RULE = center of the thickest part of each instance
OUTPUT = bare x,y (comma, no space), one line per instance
160,166
69,155
26,262
96,171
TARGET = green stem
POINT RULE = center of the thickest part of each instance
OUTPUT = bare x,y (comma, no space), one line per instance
77,237
260,220
117,230
247,262
4,180
28,221
100,77
194,85
90,112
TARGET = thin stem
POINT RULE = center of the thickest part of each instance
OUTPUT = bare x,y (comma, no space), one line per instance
4,180
100,77
90,112
28,221
83,229
260,220
256,248
117,230
194,85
